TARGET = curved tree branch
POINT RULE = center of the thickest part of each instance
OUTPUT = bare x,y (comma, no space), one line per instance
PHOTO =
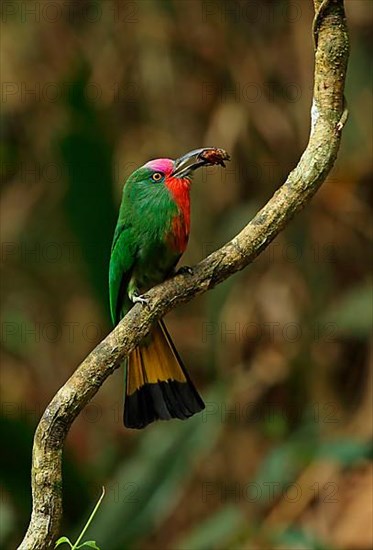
328,117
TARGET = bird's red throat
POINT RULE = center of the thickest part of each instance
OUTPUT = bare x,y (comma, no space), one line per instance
180,190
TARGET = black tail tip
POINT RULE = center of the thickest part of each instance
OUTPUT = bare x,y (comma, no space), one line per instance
161,401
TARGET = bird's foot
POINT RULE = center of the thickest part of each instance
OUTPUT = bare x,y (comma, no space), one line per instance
184,270
139,299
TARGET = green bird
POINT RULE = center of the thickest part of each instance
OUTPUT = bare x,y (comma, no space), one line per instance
150,237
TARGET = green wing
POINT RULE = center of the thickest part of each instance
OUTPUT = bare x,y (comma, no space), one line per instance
122,258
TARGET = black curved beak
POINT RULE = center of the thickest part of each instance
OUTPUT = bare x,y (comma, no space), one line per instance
207,156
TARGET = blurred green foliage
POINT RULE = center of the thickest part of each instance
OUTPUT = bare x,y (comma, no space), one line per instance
87,161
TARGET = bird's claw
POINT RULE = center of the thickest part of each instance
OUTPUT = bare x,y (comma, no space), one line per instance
140,299
184,270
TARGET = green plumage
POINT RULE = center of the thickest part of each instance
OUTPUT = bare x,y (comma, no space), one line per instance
141,256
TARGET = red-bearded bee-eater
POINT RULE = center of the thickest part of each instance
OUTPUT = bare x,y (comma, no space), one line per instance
151,234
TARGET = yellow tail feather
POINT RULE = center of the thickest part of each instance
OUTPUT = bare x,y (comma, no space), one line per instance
152,362
158,386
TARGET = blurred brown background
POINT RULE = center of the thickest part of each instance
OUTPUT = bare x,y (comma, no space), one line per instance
281,458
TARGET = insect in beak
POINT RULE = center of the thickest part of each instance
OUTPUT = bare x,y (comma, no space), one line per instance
207,156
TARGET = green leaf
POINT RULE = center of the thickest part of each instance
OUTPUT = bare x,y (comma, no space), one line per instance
345,451
215,531
61,540
89,521
294,539
352,315
89,544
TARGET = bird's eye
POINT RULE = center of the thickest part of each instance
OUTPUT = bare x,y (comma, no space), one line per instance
157,176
